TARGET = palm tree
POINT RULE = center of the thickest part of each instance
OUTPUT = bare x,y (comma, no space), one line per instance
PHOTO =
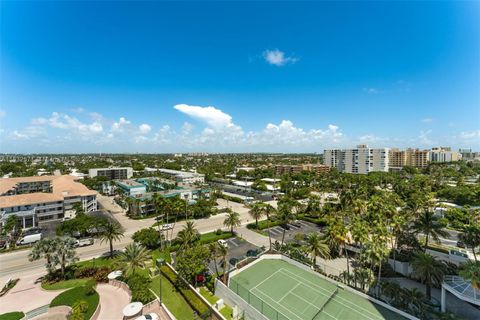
135,256
429,270
429,225
44,249
471,271
113,231
214,249
232,220
392,291
269,210
316,246
257,212
285,216
471,237
223,252
376,252
188,235
65,253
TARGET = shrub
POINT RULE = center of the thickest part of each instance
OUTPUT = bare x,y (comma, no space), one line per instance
90,287
148,237
98,273
139,285
80,306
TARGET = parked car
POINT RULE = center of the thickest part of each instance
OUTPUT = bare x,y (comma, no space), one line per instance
33,230
84,242
223,243
29,239
167,226
149,316
461,244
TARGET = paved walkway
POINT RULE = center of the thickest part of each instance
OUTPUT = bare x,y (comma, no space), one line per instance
112,301
26,295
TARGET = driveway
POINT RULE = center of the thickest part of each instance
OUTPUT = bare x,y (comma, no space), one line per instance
112,301
26,295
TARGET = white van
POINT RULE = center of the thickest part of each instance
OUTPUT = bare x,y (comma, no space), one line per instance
30,239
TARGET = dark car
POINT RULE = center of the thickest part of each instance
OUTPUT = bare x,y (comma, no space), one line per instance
461,244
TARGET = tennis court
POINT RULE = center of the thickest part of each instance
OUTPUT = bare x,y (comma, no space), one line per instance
281,291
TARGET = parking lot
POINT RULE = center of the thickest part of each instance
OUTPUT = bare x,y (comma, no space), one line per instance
299,226
237,250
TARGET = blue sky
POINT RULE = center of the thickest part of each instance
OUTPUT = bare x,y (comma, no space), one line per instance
238,77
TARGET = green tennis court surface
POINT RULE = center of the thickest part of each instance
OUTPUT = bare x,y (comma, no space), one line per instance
282,291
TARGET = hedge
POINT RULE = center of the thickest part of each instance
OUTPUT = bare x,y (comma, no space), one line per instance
192,299
12,316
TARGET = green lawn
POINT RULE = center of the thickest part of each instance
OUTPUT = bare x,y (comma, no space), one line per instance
172,299
208,295
12,316
64,284
225,311
213,236
68,298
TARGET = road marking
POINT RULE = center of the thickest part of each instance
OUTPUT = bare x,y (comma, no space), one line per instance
232,242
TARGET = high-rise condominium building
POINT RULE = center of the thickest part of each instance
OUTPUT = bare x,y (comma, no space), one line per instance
361,160
410,157
444,154
297,168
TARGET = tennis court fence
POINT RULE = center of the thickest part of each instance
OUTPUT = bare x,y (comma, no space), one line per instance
253,300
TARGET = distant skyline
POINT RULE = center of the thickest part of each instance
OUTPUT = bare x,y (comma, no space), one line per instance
162,77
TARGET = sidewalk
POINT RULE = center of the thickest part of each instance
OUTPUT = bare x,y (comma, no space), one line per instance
253,237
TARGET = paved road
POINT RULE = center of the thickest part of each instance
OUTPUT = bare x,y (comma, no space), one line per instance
15,264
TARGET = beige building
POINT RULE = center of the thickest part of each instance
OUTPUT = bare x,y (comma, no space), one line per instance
360,160
410,157
297,168
41,200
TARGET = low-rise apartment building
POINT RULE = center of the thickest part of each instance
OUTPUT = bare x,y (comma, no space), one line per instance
131,187
111,173
469,155
40,200
181,176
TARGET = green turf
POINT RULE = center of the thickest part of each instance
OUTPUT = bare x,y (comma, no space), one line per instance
69,297
66,284
12,316
282,291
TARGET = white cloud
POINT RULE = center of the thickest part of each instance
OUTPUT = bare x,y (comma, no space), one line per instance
65,122
144,128
427,120
28,133
424,137
371,138
470,135
278,58
120,125
212,116
371,90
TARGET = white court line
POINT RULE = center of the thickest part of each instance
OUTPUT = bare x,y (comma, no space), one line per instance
289,291
266,279
266,296
339,298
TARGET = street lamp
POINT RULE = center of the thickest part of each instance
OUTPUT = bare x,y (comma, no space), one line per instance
159,263
159,220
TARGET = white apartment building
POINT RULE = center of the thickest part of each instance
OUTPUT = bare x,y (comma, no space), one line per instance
40,200
181,176
111,173
444,154
361,160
